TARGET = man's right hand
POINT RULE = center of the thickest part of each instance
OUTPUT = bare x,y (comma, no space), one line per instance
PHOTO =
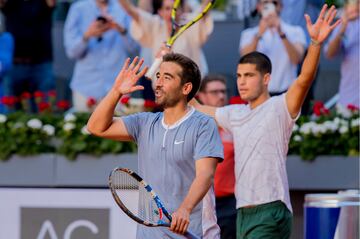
263,25
96,29
129,75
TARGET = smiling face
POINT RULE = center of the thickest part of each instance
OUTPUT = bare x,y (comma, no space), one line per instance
169,91
251,83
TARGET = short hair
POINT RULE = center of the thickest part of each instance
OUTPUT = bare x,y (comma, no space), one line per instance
262,62
211,78
157,4
190,71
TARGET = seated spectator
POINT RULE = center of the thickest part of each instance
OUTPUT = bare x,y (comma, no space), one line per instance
284,44
30,24
6,56
344,41
96,36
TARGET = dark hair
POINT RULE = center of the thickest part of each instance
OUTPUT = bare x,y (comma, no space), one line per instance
211,78
157,4
190,71
262,62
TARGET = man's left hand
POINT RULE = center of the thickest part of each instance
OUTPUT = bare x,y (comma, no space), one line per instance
323,26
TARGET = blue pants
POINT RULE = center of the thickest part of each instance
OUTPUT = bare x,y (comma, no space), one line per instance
226,214
29,78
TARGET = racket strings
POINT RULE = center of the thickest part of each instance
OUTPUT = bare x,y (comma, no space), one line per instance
145,208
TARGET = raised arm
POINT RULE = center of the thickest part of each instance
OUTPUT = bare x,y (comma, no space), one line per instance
131,9
318,32
209,110
205,170
102,123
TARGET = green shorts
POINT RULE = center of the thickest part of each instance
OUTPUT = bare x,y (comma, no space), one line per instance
270,220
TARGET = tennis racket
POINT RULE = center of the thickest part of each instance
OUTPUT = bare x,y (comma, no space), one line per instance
149,209
176,31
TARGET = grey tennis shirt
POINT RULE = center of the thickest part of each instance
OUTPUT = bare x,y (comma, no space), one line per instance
167,156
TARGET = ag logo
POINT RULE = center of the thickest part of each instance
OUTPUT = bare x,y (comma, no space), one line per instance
64,223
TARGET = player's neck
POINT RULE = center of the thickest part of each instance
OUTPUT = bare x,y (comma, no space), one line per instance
258,101
174,114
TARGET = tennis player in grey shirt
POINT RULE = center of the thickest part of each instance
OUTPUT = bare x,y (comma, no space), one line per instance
178,149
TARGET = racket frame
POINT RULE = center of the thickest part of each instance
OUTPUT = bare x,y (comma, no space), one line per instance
142,183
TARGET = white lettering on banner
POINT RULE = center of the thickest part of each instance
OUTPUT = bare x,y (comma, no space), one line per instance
80,223
47,226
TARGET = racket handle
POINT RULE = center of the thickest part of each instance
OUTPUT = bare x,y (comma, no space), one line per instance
154,67
189,235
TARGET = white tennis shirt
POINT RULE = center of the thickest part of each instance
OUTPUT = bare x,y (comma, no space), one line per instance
261,138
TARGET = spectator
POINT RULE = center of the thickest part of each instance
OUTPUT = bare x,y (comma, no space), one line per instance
32,69
151,30
96,36
344,41
6,55
284,44
213,92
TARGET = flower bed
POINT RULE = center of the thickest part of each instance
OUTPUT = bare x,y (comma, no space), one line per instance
21,133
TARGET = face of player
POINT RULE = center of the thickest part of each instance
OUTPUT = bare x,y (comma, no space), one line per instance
214,94
169,92
250,82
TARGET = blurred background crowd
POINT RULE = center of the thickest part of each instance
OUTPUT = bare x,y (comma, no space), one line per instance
73,49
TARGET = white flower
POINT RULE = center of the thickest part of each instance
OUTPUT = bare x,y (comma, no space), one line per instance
18,125
69,126
136,102
85,131
49,129
3,118
355,123
331,126
343,130
69,117
295,128
297,138
34,124
343,111
307,128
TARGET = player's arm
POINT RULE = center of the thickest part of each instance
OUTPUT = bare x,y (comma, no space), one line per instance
205,170
131,9
101,122
208,110
318,32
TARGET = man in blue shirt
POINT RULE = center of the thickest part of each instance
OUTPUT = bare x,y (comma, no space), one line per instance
179,148
95,35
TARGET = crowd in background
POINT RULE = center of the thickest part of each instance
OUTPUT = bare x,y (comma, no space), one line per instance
100,34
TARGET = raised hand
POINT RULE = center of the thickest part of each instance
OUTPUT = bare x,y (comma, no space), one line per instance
323,26
129,75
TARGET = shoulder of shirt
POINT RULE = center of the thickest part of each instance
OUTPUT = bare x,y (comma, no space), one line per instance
201,117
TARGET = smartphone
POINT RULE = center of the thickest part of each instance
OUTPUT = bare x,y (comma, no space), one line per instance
268,9
101,19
